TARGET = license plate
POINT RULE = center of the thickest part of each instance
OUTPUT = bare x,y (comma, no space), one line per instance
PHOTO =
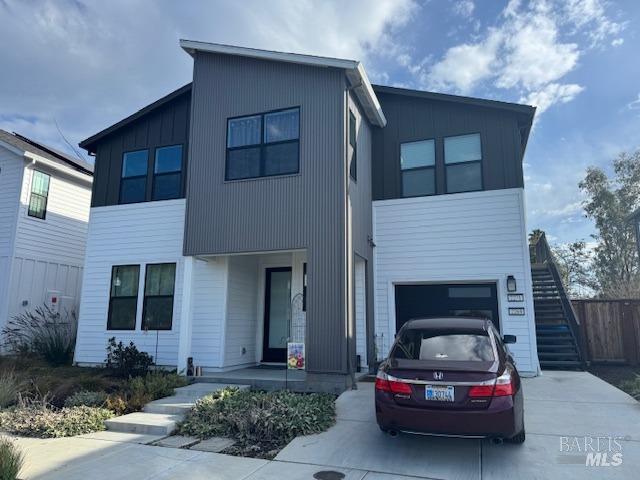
439,394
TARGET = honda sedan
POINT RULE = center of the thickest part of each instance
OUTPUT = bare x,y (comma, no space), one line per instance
451,377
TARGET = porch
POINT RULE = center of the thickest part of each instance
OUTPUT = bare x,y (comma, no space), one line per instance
260,378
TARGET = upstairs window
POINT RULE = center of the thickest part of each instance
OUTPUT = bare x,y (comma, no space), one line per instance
159,283
353,148
133,184
39,195
263,145
123,299
463,163
167,173
418,167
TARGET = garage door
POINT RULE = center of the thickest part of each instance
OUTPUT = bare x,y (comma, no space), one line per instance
445,300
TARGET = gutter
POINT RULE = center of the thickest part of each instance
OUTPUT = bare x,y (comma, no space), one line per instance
37,159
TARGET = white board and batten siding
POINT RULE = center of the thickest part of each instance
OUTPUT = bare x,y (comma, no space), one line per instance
467,237
11,172
139,234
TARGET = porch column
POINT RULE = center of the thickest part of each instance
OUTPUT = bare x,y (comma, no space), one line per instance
186,317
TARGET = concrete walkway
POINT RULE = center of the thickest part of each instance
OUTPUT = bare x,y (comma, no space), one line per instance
557,404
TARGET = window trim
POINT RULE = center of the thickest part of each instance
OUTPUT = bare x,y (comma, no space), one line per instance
135,312
154,174
261,146
426,167
144,297
444,161
46,197
145,176
353,162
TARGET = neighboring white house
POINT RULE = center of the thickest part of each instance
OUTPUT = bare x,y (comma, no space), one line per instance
45,199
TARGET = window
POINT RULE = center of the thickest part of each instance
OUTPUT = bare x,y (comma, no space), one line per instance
133,184
463,162
167,173
353,150
123,299
39,195
304,287
159,282
263,145
418,167
418,344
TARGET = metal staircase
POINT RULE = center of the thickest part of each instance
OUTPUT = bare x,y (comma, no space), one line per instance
557,326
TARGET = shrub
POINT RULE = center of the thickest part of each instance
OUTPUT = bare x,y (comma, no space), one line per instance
8,388
11,460
117,404
43,332
261,422
45,422
87,399
127,361
632,387
155,385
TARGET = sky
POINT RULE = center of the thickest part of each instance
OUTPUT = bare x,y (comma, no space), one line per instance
70,68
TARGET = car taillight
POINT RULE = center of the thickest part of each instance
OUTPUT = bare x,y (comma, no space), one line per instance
384,383
503,387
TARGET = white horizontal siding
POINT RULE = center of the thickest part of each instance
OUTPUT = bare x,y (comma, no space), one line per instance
208,311
242,315
141,233
479,236
61,236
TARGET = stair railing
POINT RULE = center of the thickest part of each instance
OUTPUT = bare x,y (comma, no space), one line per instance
541,253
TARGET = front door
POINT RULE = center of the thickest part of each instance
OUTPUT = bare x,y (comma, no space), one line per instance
277,306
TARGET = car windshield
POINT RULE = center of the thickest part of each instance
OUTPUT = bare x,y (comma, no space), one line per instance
418,344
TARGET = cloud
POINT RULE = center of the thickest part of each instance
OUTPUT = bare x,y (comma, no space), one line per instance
551,94
617,42
464,8
89,63
529,50
635,104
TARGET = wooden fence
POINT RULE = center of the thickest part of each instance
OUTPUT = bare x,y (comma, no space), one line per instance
610,330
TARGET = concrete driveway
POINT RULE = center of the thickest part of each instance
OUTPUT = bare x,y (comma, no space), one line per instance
575,405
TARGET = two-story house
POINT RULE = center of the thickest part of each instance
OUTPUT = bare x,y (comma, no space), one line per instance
281,197
45,198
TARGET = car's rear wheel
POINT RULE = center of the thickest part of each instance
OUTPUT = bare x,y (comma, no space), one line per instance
519,438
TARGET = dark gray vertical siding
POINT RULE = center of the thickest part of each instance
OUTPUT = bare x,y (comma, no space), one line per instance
412,118
167,125
276,213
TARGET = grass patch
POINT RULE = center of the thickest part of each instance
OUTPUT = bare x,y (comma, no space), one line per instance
11,460
262,423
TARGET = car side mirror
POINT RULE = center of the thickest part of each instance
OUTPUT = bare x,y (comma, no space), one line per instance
509,339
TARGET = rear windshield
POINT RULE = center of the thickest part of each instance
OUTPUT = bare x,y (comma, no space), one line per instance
416,344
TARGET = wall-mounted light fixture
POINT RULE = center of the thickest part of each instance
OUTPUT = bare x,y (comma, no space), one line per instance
511,284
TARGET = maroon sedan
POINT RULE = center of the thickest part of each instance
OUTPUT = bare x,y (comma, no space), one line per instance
450,377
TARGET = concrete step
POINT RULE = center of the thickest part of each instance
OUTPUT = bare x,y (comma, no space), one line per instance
185,398
144,423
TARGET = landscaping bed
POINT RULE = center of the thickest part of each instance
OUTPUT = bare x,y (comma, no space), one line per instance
261,423
624,377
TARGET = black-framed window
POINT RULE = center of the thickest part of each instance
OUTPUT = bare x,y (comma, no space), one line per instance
167,173
463,163
159,284
263,145
304,287
123,297
133,184
418,168
353,150
39,195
